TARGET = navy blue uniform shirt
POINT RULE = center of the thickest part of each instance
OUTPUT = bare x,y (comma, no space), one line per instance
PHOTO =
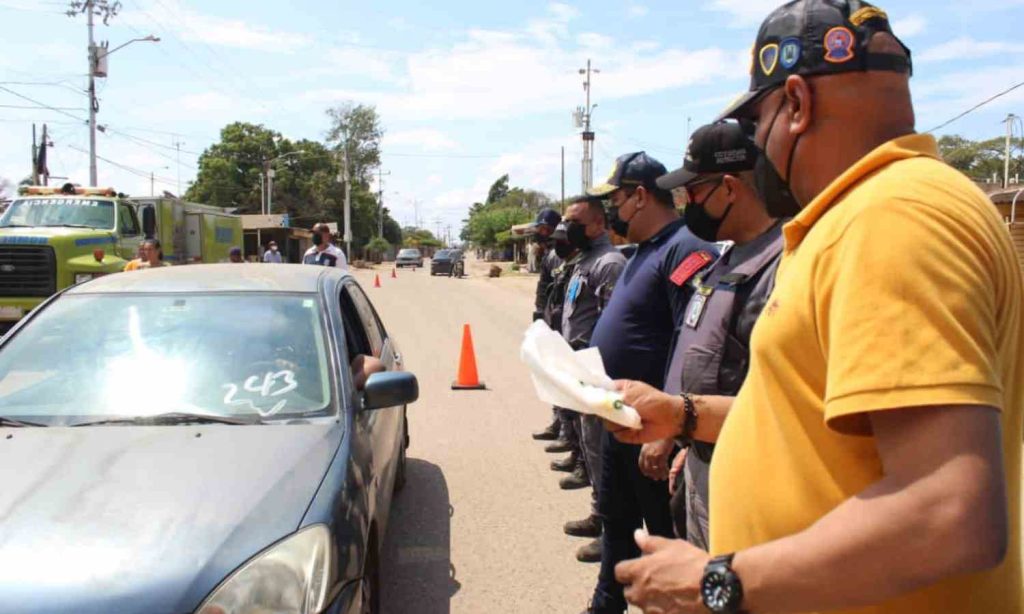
637,325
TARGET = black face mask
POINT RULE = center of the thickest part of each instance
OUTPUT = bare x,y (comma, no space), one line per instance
318,239
563,249
774,190
576,233
700,222
619,225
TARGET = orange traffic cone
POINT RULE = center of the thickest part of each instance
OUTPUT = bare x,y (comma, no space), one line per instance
394,273
467,378
376,281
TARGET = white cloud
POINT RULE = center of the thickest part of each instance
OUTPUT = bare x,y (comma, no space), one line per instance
377,65
426,139
909,26
967,48
745,12
435,179
192,26
591,40
941,98
637,10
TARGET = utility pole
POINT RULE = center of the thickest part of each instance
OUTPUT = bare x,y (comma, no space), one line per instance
687,139
98,55
380,200
1009,139
177,146
35,158
583,115
563,180
348,199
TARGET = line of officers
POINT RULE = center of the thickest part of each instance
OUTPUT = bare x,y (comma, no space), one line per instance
675,316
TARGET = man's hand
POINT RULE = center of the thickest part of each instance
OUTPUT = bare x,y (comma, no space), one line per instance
654,459
666,579
677,466
661,414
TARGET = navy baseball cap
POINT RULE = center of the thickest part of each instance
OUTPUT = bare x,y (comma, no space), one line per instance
722,147
816,37
632,169
548,217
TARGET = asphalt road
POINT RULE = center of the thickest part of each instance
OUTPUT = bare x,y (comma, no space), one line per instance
479,526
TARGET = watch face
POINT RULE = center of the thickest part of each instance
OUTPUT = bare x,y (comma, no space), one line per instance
717,592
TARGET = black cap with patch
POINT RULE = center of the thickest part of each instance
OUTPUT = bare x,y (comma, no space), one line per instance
632,169
816,37
722,147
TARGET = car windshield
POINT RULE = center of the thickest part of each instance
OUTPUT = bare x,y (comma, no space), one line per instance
442,254
60,212
409,253
89,357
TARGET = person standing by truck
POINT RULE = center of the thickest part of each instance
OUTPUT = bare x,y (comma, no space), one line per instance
151,255
272,256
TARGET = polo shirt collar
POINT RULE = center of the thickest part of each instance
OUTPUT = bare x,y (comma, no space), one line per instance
668,231
902,148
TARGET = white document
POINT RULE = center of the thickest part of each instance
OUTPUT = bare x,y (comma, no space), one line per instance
573,379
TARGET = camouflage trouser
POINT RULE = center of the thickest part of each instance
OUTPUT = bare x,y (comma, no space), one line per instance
696,480
591,431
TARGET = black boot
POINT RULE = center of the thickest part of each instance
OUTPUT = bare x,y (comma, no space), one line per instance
588,527
575,480
550,433
590,553
567,464
558,446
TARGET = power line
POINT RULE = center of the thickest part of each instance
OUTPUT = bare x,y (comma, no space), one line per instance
41,104
978,106
132,170
33,107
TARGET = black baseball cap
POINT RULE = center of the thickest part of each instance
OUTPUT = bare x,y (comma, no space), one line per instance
816,37
721,147
548,217
635,169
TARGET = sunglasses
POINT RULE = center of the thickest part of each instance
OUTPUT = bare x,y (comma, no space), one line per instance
691,196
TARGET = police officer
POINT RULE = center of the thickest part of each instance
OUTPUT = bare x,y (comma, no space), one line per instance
712,349
596,270
546,222
634,335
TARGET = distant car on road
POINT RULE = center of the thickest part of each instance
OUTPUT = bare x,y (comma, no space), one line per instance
218,457
447,262
409,257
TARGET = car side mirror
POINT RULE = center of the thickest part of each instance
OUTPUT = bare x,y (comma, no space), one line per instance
390,389
148,222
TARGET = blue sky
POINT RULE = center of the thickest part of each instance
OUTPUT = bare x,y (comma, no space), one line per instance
467,91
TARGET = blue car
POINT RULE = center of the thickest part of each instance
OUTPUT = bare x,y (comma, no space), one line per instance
210,439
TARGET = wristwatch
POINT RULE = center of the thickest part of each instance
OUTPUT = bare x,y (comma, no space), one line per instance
720,588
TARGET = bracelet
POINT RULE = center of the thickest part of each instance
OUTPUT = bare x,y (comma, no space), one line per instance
689,416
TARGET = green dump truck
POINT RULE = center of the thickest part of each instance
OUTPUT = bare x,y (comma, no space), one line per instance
51,238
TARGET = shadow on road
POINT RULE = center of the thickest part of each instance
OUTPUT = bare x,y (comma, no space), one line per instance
417,573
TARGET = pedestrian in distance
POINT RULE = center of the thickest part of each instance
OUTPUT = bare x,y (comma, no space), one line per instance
324,252
712,346
872,460
595,271
235,255
634,335
272,256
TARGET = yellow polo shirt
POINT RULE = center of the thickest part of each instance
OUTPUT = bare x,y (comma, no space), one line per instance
898,287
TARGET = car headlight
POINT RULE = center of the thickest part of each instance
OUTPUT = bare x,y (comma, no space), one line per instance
294,576
84,277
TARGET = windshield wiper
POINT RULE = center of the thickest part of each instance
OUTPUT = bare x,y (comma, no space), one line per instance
16,226
5,421
171,419
70,226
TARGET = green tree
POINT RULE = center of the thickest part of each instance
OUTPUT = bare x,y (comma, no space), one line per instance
982,160
356,127
498,191
419,237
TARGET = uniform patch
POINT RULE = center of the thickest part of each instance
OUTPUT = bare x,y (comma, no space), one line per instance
689,266
789,52
769,58
839,45
868,12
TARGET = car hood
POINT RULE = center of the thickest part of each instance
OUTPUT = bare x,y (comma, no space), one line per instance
135,519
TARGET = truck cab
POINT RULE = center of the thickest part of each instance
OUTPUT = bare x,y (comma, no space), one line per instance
55,237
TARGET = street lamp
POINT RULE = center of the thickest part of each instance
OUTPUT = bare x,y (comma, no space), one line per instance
269,172
98,55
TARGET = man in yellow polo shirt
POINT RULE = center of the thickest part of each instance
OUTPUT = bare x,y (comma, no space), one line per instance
872,460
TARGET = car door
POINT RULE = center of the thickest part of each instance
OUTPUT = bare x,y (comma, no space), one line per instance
129,233
382,429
